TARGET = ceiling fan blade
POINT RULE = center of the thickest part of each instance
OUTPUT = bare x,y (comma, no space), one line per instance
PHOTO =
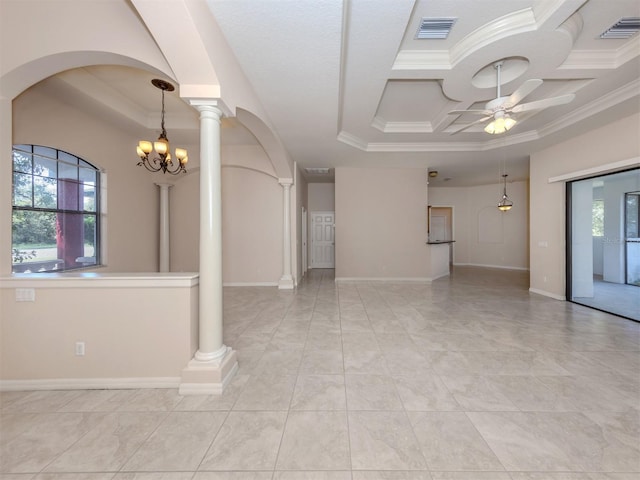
474,112
468,125
547,102
523,90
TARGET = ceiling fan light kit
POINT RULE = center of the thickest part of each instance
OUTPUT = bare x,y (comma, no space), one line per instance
500,124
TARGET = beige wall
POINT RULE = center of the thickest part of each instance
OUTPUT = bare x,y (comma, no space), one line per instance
322,197
484,235
381,226
128,342
251,227
184,213
251,203
611,143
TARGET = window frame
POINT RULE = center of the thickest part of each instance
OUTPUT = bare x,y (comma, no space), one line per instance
66,160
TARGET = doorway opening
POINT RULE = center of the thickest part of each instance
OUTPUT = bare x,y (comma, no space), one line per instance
440,226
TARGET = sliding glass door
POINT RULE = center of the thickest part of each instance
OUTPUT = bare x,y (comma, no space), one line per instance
603,243
632,237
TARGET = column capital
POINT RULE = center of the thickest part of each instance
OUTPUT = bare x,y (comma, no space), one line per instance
210,104
285,182
164,184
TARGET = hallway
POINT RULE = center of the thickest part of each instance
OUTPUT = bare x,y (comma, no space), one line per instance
468,378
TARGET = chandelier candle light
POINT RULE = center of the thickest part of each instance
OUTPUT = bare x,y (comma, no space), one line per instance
163,161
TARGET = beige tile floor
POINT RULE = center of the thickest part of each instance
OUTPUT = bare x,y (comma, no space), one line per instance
469,378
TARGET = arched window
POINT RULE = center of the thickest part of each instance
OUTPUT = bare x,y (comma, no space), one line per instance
56,210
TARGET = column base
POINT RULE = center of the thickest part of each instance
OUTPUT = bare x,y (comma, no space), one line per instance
285,283
209,377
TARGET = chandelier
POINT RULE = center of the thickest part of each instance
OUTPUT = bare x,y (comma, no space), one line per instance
505,204
163,162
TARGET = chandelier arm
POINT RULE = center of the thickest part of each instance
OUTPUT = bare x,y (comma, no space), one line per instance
147,164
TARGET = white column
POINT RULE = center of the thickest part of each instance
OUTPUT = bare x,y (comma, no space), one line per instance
164,227
286,281
210,345
214,364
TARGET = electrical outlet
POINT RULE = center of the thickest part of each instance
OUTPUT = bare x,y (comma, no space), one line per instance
79,349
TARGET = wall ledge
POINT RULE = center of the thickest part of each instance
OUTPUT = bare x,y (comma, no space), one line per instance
89,383
99,280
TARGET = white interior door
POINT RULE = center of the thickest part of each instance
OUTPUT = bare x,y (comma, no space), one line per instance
322,240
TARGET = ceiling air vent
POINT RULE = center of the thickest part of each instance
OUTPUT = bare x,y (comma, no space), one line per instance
318,171
623,28
435,28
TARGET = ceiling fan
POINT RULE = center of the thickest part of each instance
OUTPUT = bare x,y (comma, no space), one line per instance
499,110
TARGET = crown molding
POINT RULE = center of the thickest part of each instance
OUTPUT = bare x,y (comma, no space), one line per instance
602,59
401,127
622,94
419,147
352,140
422,60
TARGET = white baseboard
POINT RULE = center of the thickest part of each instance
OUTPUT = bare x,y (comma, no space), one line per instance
90,383
489,266
547,294
250,284
383,279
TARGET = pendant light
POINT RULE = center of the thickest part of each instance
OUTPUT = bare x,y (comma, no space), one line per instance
505,204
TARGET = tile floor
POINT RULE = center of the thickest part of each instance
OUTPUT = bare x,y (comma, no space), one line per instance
469,378
616,298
